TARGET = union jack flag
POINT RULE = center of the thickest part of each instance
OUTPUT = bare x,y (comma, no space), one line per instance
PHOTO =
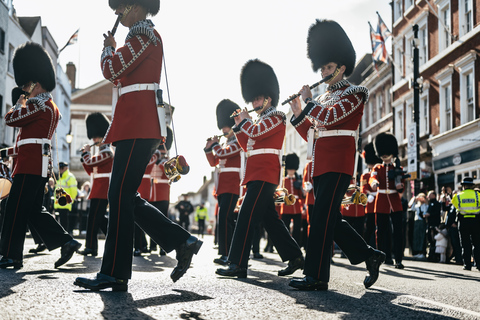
73,39
379,50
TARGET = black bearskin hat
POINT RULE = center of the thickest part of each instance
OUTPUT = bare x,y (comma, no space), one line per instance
97,125
224,109
328,42
16,93
31,62
258,79
292,161
168,140
152,6
385,144
369,154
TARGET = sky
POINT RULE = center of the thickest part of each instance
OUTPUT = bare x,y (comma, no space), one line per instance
206,43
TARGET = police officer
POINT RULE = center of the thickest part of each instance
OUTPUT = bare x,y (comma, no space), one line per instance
467,203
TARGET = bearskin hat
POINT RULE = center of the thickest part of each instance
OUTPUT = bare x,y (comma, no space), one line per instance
369,154
385,144
328,42
168,140
32,62
258,79
16,93
224,109
97,125
292,161
152,6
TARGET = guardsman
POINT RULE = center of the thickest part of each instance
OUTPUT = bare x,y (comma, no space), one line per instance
99,167
262,142
467,203
135,131
370,159
387,180
335,118
226,159
37,116
293,183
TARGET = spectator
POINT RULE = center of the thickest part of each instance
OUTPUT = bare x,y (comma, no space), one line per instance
452,228
420,227
441,242
49,197
184,208
433,216
201,215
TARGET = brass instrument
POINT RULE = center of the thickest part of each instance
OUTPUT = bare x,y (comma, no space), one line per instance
326,80
174,168
281,196
62,197
354,196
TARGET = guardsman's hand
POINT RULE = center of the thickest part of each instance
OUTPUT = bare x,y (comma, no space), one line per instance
109,40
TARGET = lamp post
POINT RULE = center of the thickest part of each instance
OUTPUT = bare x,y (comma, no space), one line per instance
416,105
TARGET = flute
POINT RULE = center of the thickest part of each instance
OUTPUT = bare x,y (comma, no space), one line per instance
91,145
316,84
114,29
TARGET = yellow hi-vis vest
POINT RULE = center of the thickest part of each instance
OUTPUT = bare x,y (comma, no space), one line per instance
467,203
68,182
201,214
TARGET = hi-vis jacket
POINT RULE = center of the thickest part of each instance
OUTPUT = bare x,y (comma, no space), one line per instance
467,202
68,182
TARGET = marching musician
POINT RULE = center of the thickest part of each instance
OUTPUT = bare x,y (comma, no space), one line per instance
388,204
262,142
337,115
136,132
160,188
371,160
37,117
293,183
99,167
226,159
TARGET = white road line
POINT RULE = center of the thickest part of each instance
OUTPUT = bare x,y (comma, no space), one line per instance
432,302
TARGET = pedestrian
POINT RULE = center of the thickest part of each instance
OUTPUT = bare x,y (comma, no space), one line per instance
99,167
467,204
226,159
37,116
135,132
262,141
336,117
185,208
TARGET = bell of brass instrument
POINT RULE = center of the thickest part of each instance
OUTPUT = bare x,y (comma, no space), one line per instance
354,196
61,196
175,167
281,196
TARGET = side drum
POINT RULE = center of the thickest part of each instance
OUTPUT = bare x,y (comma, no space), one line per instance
5,181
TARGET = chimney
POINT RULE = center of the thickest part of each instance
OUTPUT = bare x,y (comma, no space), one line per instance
71,74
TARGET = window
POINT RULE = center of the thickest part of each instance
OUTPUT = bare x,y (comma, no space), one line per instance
445,91
388,108
408,4
399,124
2,41
422,46
398,61
424,114
380,107
409,114
465,16
466,67
397,10
370,113
11,50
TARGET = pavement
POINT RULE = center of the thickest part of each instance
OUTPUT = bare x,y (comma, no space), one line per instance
422,290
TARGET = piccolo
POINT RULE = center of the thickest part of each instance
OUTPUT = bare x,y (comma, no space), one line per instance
218,136
316,84
236,113
114,29
90,145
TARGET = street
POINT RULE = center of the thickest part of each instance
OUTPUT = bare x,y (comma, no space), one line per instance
422,290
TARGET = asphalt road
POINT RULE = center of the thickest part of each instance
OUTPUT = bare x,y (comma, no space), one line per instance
422,290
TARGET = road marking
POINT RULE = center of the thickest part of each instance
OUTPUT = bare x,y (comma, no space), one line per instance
432,302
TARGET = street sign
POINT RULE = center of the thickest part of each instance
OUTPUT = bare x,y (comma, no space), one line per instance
412,150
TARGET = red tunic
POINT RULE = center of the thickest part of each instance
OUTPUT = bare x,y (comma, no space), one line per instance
37,120
296,208
267,132
160,187
139,61
307,177
353,210
99,167
340,108
146,184
366,188
227,158
387,199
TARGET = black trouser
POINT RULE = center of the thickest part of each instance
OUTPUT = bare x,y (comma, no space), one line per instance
470,235
384,237
297,224
226,221
127,207
68,219
357,223
370,225
455,240
96,220
258,206
163,207
327,225
24,206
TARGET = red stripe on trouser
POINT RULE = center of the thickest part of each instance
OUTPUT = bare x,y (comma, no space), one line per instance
119,206
93,224
15,217
249,223
326,227
226,225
